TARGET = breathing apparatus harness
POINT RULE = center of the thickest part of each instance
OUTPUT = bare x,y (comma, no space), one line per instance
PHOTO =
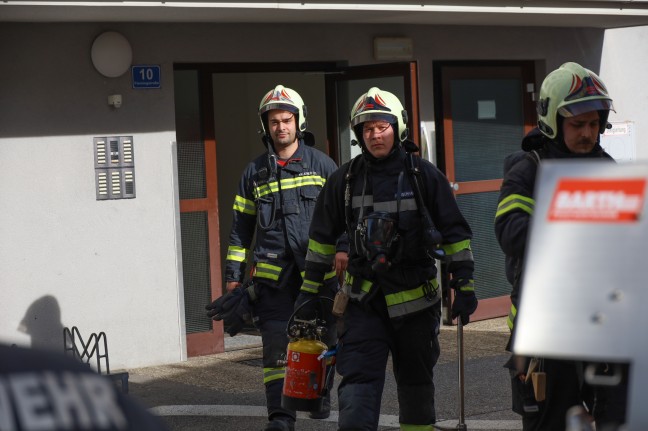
377,235
431,236
265,174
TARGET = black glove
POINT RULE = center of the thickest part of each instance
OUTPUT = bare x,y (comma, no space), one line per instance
233,309
224,305
237,320
465,301
306,306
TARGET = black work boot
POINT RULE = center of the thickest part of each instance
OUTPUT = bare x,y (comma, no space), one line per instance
280,423
325,411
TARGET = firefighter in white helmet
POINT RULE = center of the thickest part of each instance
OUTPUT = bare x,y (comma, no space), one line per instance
573,110
273,204
401,215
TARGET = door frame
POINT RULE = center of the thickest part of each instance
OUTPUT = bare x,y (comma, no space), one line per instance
443,72
212,341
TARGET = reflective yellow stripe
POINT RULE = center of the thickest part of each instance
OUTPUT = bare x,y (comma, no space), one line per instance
330,275
310,286
407,427
400,303
313,287
243,205
513,202
266,270
365,286
407,295
511,317
323,249
289,183
456,247
464,255
470,287
270,374
236,253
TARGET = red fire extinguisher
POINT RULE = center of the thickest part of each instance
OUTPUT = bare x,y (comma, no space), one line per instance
307,358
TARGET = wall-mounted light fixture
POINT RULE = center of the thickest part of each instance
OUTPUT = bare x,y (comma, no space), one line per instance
393,48
111,54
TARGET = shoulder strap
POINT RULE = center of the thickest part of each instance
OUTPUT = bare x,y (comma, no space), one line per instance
348,194
535,156
412,165
432,237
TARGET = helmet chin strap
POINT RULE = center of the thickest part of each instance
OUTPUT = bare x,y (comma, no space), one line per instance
267,142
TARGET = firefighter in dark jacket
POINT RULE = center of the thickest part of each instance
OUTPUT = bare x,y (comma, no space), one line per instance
573,110
275,201
391,282
50,391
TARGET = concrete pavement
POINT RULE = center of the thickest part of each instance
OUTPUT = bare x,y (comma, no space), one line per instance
225,392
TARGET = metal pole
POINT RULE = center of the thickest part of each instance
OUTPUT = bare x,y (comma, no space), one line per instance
462,424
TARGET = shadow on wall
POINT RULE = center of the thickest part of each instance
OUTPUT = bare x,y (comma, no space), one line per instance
42,322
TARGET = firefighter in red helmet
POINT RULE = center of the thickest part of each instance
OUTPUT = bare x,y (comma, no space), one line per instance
274,201
573,110
400,214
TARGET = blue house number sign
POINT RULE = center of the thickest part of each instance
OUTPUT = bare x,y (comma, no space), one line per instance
146,76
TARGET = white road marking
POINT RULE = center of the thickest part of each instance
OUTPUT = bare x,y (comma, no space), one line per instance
260,411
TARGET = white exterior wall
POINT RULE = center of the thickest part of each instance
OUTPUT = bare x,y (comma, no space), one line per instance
108,266
623,69
114,266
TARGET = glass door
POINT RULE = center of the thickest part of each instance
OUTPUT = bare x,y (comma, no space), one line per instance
483,112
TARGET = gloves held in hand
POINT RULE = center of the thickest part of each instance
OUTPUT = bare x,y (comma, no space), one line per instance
224,305
233,308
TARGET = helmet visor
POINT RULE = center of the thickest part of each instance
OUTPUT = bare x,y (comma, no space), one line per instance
281,106
582,107
373,116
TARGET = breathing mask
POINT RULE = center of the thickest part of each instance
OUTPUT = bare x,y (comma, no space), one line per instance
378,233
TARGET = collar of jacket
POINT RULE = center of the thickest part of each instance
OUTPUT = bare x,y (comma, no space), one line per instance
393,155
297,156
556,150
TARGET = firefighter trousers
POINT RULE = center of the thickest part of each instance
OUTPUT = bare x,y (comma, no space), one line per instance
367,336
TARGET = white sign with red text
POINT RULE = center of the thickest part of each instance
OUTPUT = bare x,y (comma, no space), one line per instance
598,200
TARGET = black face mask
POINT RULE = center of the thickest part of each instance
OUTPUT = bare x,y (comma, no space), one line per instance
377,237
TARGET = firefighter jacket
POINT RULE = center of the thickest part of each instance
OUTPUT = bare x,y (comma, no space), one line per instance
409,284
516,203
276,199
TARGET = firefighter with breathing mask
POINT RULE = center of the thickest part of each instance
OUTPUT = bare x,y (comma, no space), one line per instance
400,214
273,204
573,110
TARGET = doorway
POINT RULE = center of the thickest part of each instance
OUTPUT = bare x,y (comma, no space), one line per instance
217,135
482,112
